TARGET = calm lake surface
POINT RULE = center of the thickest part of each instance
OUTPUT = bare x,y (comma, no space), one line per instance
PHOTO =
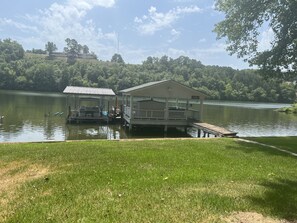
26,119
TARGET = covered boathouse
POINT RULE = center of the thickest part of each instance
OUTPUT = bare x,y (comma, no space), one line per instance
86,104
165,103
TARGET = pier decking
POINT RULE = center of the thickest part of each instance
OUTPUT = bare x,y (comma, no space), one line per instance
213,129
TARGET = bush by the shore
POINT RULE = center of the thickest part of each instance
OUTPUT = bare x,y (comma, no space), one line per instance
289,110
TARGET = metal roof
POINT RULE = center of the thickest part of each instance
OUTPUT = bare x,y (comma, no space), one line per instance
142,86
88,91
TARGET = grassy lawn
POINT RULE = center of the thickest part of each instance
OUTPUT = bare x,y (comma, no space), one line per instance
145,181
286,143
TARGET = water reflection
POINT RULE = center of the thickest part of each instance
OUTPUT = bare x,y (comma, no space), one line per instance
31,116
252,121
25,116
94,131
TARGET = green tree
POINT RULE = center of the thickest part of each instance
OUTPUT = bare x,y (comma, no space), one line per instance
117,58
72,49
242,27
7,76
50,47
11,50
85,49
287,92
43,77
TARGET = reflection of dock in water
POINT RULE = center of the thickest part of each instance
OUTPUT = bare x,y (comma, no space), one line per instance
85,131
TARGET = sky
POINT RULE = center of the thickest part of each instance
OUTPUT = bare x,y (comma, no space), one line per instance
134,28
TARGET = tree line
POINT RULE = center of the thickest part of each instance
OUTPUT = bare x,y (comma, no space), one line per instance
20,70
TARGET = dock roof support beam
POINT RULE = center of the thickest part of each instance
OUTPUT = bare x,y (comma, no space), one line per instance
201,109
131,113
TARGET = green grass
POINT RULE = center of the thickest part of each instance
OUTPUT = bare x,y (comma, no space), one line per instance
145,181
286,143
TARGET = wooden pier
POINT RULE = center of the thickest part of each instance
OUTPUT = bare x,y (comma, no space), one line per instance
212,129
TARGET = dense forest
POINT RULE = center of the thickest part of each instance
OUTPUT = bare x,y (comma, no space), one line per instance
36,71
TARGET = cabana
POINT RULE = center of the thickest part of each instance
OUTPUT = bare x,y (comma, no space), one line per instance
88,104
164,103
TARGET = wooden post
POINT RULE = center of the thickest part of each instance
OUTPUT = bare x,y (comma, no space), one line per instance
75,102
166,109
187,109
199,133
131,107
131,113
201,109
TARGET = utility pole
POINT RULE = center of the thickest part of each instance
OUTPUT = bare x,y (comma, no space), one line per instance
118,43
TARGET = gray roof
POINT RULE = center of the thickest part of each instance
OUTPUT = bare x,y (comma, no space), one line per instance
88,91
157,83
142,86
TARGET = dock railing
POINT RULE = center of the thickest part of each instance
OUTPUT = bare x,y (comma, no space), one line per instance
178,114
148,114
127,111
193,114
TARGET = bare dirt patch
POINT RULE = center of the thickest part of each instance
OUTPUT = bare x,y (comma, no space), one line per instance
252,217
15,173
12,176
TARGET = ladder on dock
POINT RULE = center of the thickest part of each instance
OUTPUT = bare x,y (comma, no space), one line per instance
213,129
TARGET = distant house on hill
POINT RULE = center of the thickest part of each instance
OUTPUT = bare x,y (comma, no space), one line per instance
59,54
80,55
87,56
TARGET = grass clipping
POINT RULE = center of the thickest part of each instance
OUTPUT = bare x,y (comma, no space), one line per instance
12,176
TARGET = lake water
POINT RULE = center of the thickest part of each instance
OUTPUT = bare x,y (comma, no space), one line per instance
26,119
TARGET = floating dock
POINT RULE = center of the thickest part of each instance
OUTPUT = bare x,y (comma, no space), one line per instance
212,129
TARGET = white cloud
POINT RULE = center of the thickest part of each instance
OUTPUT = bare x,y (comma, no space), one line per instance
266,39
89,4
20,26
175,53
215,52
61,21
174,35
67,20
174,32
155,21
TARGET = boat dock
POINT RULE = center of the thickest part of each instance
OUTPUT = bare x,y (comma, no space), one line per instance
165,104
212,129
88,105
